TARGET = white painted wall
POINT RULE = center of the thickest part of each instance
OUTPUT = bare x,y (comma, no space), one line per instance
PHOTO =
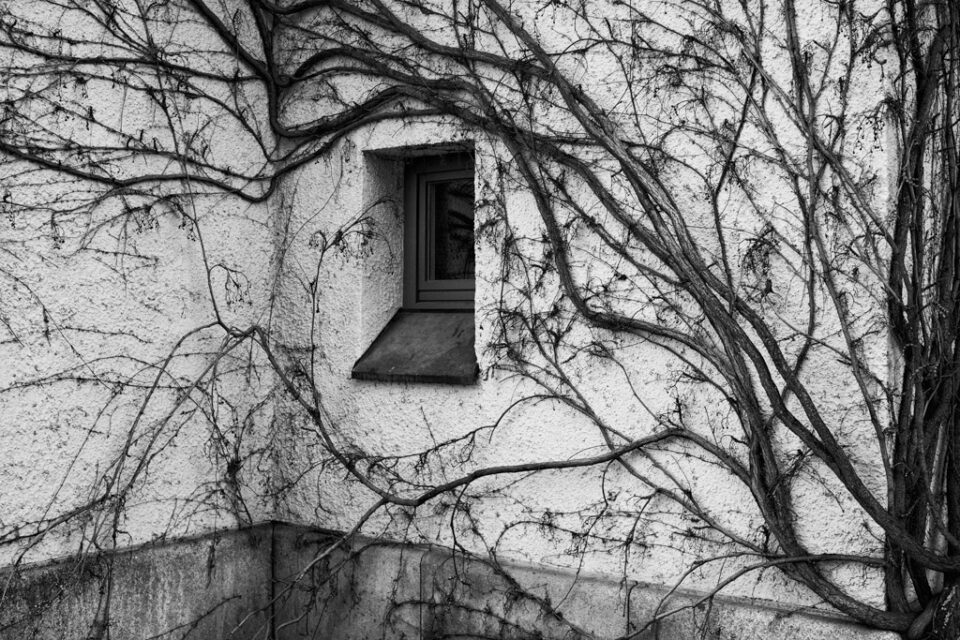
59,441
96,298
360,291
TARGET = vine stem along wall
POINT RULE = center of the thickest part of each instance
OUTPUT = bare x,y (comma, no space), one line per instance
714,305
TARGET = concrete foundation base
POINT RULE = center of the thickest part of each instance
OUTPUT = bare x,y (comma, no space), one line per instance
214,586
280,582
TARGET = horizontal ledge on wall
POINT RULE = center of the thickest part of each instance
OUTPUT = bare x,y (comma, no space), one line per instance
422,346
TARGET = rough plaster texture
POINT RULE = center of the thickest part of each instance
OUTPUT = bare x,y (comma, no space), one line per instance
57,435
93,300
61,437
398,418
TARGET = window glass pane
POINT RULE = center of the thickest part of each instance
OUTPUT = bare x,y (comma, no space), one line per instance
452,241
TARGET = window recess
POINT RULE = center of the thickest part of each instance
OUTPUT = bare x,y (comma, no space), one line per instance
431,338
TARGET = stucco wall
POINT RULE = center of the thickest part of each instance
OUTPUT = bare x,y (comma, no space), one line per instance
402,418
360,290
95,301
107,302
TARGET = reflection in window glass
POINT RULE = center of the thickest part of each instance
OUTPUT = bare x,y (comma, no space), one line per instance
452,230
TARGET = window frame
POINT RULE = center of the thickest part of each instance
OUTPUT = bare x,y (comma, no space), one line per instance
419,293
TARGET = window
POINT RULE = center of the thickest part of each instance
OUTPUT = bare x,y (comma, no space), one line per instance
431,338
439,256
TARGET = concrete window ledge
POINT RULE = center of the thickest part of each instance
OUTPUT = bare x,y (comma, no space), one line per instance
422,346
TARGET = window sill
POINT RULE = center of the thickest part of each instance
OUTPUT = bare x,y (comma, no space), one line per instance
422,346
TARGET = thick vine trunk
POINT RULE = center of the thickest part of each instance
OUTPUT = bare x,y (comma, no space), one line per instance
941,619
946,617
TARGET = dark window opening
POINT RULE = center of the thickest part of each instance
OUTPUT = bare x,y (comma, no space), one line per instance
440,264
